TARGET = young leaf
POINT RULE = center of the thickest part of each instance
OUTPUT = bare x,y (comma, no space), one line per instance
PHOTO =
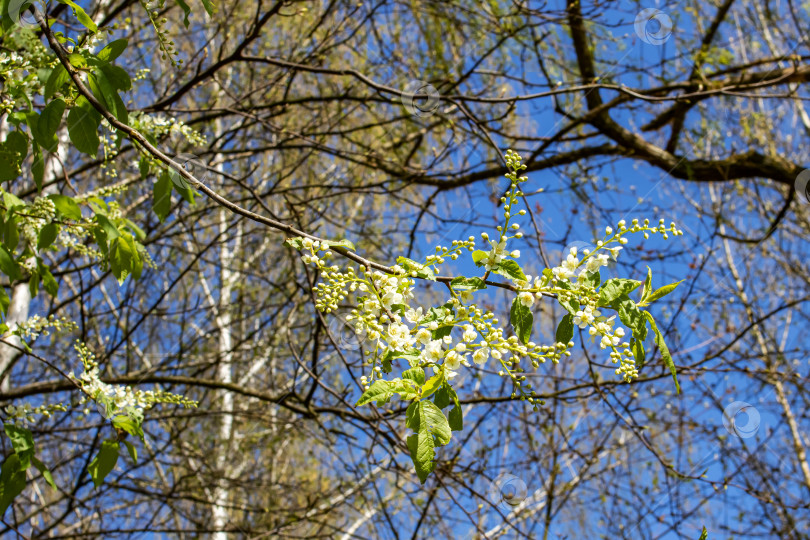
415,374
431,385
521,318
46,474
479,257
637,347
615,288
66,206
186,11
104,462
133,452
510,269
468,284
12,481
659,340
565,330
454,418
647,285
22,441
631,316
379,390
425,417
421,449
81,15
662,292
8,265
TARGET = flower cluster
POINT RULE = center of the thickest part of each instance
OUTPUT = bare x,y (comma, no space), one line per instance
116,399
23,414
35,326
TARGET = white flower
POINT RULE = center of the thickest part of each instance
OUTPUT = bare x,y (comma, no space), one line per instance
399,336
526,298
469,333
496,354
423,336
480,356
461,348
453,360
433,351
413,315
466,297
515,254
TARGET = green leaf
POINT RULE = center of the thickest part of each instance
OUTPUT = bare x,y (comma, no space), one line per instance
637,347
455,417
662,292
468,284
521,318
442,397
659,340
129,425
570,303
109,229
209,7
647,285
8,265
48,281
47,125
186,11
424,416
295,243
11,234
18,142
104,462
83,121
46,474
162,199
107,95
112,50
415,374
66,206
413,267
59,76
510,269
589,279
631,316
340,243
38,167
479,257
379,390
615,288
22,441
81,15
118,78
12,481
133,452
5,301
47,235
565,330
431,385
420,447
704,534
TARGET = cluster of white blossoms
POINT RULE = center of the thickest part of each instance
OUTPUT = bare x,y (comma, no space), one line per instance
159,126
36,325
459,333
25,413
114,399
